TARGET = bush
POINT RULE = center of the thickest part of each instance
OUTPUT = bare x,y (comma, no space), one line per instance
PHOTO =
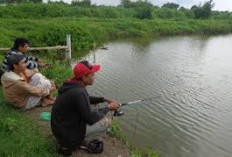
144,13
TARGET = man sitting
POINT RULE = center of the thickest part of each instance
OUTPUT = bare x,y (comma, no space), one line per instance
72,117
24,88
21,47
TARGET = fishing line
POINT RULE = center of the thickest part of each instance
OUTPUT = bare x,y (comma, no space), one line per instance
119,111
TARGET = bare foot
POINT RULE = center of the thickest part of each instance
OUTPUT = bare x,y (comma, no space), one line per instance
47,102
50,97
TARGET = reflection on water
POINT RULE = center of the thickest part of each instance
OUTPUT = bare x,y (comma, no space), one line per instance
191,77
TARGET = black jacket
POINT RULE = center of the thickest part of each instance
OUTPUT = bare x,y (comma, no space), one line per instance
71,112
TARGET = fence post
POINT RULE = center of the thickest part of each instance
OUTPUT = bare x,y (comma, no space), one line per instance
68,54
94,53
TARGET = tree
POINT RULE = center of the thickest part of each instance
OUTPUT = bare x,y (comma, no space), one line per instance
141,3
143,9
207,9
171,6
194,7
82,2
204,11
20,1
36,1
126,3
144,13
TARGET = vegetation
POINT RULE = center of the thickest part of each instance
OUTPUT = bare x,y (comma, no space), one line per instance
20,134
48,24
171,6
204,11
20,1
82,3
89,25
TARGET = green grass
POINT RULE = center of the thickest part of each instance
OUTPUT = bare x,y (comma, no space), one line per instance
86,32
48,24
21,135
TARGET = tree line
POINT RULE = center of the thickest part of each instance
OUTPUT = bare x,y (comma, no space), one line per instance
19,1
200,11
139,9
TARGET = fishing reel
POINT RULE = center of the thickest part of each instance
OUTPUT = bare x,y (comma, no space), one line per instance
118,112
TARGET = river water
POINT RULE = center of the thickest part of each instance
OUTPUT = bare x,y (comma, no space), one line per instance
191,78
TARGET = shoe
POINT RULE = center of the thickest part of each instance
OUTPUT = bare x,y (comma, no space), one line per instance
65,152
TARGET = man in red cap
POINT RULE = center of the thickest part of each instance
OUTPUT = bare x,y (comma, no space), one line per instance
72,112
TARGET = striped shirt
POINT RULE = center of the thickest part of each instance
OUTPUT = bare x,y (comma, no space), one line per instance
31,62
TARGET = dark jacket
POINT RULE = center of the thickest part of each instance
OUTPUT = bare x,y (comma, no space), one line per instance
71,112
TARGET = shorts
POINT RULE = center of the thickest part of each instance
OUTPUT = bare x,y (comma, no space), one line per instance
40,81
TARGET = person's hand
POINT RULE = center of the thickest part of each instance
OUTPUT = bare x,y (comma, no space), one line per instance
108,100
113,106
52,89
41,63
52,83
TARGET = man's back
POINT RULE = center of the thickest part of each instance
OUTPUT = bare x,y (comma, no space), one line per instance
66,122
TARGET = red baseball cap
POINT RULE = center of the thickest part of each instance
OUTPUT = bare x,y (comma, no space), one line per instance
84,68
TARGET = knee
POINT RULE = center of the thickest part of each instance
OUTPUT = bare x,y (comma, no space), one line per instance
37,76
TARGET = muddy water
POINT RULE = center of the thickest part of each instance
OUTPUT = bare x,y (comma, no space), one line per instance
191,78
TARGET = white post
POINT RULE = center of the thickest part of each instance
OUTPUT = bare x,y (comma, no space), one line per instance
68,54
94,53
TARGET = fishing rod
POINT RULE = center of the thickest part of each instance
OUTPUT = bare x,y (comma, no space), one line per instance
119,111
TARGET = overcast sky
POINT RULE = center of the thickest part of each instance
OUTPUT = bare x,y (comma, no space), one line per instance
219,4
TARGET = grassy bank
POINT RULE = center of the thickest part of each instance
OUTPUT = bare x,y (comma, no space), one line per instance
20,134
48,24
86,32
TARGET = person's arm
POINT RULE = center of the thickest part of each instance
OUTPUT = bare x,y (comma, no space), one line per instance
36,62
96,100
109,100
93,116
41,63
31,62
33,90
31,58
89,116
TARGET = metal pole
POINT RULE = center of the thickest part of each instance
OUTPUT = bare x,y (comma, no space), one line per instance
69,49
94,53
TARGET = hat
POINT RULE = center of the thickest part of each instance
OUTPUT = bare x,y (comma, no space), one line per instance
84,68
14,59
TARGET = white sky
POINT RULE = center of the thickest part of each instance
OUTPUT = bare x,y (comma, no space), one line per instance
222,5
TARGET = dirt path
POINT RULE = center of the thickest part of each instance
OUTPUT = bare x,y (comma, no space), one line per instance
112,146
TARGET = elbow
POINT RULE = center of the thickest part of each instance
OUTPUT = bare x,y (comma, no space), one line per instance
91,122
